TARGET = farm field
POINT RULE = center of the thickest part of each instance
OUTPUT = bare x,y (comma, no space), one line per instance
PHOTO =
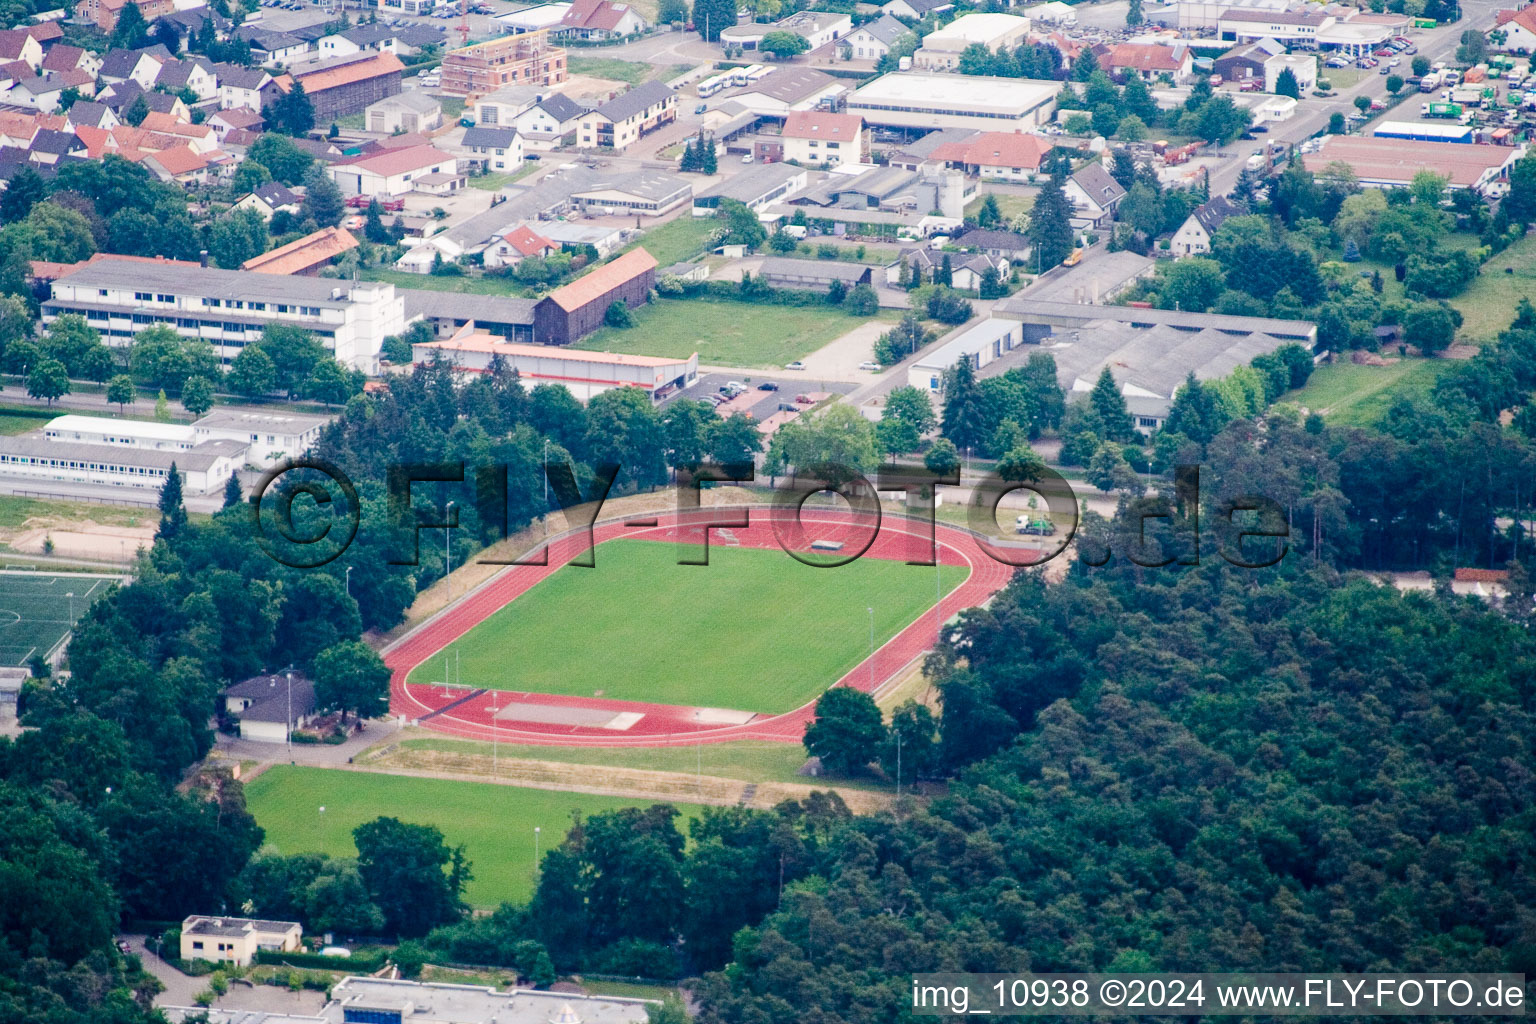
1351,394
494,822
755,630
724,332
681,238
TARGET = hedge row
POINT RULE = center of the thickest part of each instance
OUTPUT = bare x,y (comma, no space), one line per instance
357,963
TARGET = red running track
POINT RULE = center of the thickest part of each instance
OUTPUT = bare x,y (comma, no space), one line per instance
666,724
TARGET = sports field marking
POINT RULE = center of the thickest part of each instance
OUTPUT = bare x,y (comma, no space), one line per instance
38,610
754,631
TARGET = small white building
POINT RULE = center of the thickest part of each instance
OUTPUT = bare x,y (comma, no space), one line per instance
819,137
978,345
236,940
1302,65
413,111
393,172
1194,236
269,437
268,708
941,49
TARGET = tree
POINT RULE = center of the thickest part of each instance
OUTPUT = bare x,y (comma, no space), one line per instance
351,678
991,285
131,31
1429,327
160,358
232,493
323,202
989,215
121,391
1395,84
1221,120
1108,470
328,382
618,315
411,875
672,12
1362,103
25,190
711,17
1473,48
1286,84
1132,128
1133,15
236,237
277,153
293,113
735,440
861,300
197,395
252,373
1050,225
173,513
1109,404
337,901
1336,124
741,224
783,44
1420,65
942,457
1021,465
912,406
964,421
48,379
847,732
1193,284
373,226
294,353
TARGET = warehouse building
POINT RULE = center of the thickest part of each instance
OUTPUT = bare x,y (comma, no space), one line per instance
923,100
584,374
204,468
978,345
340,86
573,311
228,308
449,312
755,187
1381,162
642,193
812,275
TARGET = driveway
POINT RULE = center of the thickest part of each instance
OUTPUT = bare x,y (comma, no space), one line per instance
321,754
839,359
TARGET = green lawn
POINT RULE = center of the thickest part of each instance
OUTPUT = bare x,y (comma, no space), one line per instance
494,822
15,511
632,71
747,760
1488,304
724,332
492,182
430,282
21,424
1351,394
754,630
679,239
1011,206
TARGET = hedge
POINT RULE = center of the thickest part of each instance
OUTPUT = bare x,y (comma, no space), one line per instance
357,963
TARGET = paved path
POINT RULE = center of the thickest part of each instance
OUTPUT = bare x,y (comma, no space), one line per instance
658,724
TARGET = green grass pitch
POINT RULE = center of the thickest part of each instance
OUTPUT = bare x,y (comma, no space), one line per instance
494,822
35,610
754,630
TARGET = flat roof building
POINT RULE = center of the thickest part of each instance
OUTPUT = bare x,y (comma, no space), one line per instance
204,467
942,47
979,344
270,436
1387,163
912,99
376,1000
229,308
584,374
235,939
756,187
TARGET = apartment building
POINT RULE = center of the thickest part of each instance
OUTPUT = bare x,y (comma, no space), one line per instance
621,121
229,308
528,58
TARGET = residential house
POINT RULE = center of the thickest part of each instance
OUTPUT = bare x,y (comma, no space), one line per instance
966,269
1151,61
1194,236
50,147
549,120
96,115
506,104
517,245
413,111
347,85
189,24
916,10
598,20
141,66
527,58
40,92
818,137
621,121
122,96
1008,245
182,165
494,149
235,119
236,940
200,137
17,44
1094,194
71,58
272,47
874,39
269,198
1245,61
817,28
1519,28
104,13
996,156
266,707
241,87
403,42
195,74
392,172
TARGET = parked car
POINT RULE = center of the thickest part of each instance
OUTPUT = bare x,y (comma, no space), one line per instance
701,108
1259,129
767,385
796,365
746,158
870,366
804,400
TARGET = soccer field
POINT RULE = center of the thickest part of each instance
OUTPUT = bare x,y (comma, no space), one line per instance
755,630
494,822
36,610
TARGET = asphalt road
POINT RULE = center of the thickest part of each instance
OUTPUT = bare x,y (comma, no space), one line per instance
763,404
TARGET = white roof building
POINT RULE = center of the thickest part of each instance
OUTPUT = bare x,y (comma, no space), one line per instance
942,47
913,99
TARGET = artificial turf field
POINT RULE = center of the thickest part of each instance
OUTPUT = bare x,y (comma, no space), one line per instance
494,822
35,610
755,630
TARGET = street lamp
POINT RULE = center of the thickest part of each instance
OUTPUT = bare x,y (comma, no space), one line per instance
447,549
871,649
288,725
348,580
535,849
546,477
71,596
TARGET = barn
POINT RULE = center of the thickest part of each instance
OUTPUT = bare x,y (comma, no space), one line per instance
572,312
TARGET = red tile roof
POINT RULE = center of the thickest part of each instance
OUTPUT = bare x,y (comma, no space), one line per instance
812,124
179,160
603,280
598,14
45,32
995,149
304,253
382,63
1147,57
527,241
1482,575
398,161
63,58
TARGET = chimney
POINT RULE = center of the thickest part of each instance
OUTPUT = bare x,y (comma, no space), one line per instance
202,257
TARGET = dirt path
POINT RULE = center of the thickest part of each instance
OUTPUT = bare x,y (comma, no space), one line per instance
682,787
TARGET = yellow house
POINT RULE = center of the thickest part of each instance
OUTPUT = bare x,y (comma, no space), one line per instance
235,939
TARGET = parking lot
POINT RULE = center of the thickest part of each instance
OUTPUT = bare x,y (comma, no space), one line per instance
761,404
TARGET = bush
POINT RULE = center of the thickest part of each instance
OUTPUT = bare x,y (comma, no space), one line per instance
638,958
862,301
826,251
357,963
618,315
